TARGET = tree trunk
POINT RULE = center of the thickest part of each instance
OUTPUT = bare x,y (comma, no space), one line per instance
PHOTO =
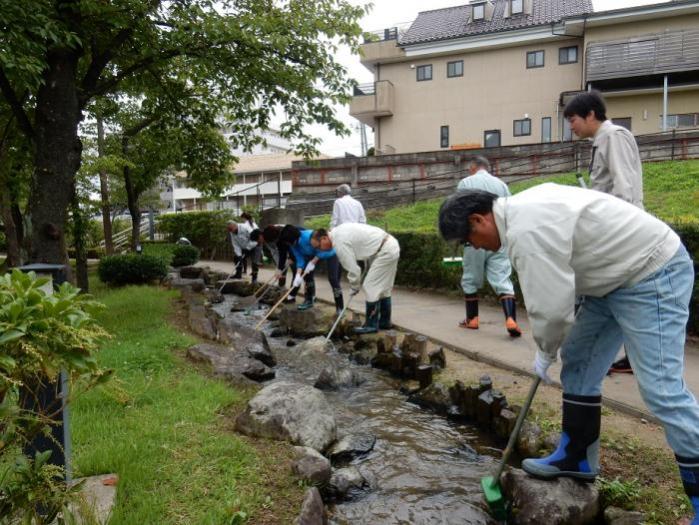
104,192
14,257
56,158
132,201
79,231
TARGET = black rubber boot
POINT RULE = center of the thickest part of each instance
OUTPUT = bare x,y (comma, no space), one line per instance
371,325
339,301
471,320
238,269
577,455
509,307
309,296
385,313
689,472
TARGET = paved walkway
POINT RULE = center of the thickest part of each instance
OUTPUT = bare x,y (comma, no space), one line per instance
437,316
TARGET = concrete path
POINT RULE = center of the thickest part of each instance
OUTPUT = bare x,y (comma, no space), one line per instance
437,317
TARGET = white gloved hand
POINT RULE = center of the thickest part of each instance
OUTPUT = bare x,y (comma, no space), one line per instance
541,365
298,281
354,291
310,267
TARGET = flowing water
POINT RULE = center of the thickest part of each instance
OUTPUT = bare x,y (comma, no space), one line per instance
424,469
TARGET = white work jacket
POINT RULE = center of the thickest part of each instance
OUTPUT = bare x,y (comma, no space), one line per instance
566,241
347,209
241,239
354,242
615,167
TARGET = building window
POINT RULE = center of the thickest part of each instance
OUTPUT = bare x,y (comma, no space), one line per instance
522,127
491,138
424,72
535,59
685,120
455,69
444,137
478,12
517,7
568,55
624,122
546,129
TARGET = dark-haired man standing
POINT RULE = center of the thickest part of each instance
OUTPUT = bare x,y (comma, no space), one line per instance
636,278
615,165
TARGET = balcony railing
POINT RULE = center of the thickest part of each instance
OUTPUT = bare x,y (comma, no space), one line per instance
365,89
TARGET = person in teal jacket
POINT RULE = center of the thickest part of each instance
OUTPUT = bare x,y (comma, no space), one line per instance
306,257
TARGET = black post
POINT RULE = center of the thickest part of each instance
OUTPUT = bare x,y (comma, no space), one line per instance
48,397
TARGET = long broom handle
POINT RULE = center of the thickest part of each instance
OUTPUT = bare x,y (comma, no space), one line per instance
257,326
266,285
515,432
235,268
342,313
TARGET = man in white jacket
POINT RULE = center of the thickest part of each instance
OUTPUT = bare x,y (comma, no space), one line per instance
243,246
363,242
636,278
615,164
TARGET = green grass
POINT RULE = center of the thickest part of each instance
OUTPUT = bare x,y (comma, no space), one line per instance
671,190
163,427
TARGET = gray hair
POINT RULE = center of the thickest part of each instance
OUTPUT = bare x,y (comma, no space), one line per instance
343,189
480,162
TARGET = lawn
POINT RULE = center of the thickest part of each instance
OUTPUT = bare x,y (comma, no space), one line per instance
165,428
671,190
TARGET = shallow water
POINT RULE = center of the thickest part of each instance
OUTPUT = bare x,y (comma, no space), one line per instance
424,469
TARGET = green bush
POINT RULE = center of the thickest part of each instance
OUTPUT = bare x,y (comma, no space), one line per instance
205,229
131,269
40,334
162,250
185,255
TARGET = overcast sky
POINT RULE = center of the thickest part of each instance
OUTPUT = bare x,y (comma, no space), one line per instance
389,13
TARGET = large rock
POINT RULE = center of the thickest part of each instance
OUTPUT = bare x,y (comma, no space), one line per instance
555,502
312,509
334,378
530,440
192,272
236,366
236,287
345,483
290,411
311,466
200,323
351,446
245,338
436,396
307,323
195,285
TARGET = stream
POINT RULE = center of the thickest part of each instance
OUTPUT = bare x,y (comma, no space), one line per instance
423,469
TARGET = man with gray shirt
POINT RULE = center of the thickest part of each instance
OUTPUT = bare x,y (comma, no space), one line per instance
476,262
615,165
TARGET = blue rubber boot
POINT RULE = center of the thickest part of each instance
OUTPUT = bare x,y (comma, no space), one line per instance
310,296
371,325
385,313
577,455
689,472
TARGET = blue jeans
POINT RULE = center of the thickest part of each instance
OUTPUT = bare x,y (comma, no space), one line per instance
650,318
495,265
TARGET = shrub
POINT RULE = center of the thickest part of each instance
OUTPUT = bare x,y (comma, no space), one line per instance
162,250
40,334
131,269
205,229
185,255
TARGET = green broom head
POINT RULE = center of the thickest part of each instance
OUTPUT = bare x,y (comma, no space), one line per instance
451,262
494,498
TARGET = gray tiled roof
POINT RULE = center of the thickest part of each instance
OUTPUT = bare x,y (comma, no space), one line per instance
453,22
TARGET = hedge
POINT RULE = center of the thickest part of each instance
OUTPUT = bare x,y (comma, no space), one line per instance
205,229
185,255
131,269
421,254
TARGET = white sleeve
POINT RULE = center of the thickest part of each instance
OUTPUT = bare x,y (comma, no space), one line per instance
362,215
346,257
236,245
334,218
548,286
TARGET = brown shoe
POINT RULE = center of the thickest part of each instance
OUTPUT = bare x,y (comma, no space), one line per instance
471,324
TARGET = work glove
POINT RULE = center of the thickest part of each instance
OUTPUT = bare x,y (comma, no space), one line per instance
310,267
298,281
541,365
354,291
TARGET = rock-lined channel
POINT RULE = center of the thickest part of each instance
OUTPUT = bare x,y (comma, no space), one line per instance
421,469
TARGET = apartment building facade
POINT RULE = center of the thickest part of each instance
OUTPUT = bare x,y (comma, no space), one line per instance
499,72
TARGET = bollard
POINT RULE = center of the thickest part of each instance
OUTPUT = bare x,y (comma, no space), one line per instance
424,375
